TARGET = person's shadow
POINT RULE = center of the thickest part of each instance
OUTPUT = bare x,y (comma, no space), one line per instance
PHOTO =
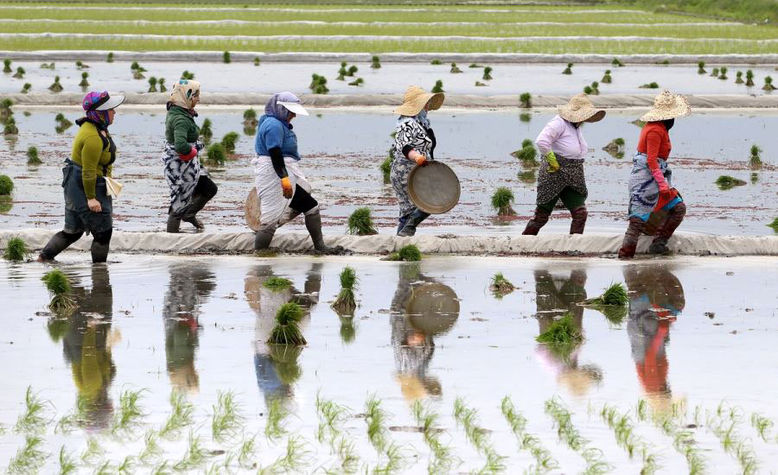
656,298
276,366
421,309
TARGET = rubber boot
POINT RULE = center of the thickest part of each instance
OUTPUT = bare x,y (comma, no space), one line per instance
198,202
538,221
630,243
579,220
99,252
58,243
674,218
264,236
173,223
659,246
313,225
416,217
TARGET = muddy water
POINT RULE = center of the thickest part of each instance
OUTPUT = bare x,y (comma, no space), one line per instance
343,150
696,331
545,79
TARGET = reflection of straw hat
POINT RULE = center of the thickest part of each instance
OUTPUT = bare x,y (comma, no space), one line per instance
580,109
667,106
415,99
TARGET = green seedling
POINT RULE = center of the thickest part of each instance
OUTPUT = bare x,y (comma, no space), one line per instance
194,457
277,284
256,61
525,117
562,334
612,303
226,58
568,69
360,222
226,420
10,127
527,155
28,459
206,132
7,66
20,72
161,85
480,84
345,303
342,72
501,286
318,84
475,65
6,185
544,460
48,66
357,82
768,84
749,78
755,160
186,75
526,100
615,148
62,121
216,154
616,62
84,80
228,142
726,182
386,166
130,415
739,77
375,62
435,62
375,418
352,70
34,420
67,463
723,74
650,85
455,69
438,87
152,451
443,459
287,329
250,118
152,84
58,285
701,68
109,58
715,73
487,74
247,453
32,156
606,78
774,225
26,88
501,201
527,176
180,416
408,253
276,414
16,250
93,451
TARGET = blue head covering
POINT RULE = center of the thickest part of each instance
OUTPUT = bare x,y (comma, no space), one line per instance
274,109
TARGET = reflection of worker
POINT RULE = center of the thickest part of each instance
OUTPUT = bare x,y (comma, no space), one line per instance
421,308
656,298
555,297
276,365
189,287
87,347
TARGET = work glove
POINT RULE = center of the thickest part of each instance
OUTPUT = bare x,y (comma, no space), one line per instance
286,187
420,159
188,156
553,165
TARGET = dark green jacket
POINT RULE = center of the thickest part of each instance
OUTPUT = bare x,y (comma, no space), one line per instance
180,129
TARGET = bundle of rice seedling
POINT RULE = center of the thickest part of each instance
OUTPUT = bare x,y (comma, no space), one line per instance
55,86
526,100
568,69
701,67
216,154
438,87
726,182
345,303
361,223
206,132
774,225
613,303
277,284
152,84
229,140
58,285
32,156
386,166
318,84
755,161
501,201
409,253
287,329
6,185
527,155
487,73
16,250
501,286
375,62
607,79
20,72
562,335
455,69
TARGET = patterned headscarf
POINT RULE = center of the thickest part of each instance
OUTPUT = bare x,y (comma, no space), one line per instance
184,92
94,99
274,109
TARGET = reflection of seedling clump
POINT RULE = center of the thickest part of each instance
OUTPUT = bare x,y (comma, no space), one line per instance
438,87
650,85
501,286
409,253
228,141
474,65
615,148
726,182
562,333
606,78
216,154
6,185
487,73
375,62
318,84
277,284
206,132
701,67
345,303
568,69
32,156
525,117
455,69
501,201
526,100
287,329
58,285
612,303
55,86
361,223
755,161
16,250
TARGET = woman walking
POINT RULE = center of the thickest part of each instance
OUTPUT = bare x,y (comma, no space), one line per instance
562,145
655,206
88,205
282,189
190,186
414,144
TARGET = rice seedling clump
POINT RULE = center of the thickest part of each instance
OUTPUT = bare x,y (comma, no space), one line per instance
6,185
409,253
726,182
345,303
501,286
438,87
277,283
287,330
526,100
228,141
216,154
58,285
386,166
501,202
361,222
755,161
561,332
527,154
16,250
612,303
206,132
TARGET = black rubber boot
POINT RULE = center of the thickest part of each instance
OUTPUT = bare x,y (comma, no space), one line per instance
58,243
630,243
579,220
99,252
537,222
190,216
173,223
659,246
413,220
264,236
313,225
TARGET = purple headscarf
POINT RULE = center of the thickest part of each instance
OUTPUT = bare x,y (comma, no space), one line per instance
274,109
94,99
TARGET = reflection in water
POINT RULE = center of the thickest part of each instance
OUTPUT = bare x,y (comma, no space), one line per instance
656,298
421,309
276,365
190,285
86,341
555,297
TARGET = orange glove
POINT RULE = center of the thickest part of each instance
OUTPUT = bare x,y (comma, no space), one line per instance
420,159
286,186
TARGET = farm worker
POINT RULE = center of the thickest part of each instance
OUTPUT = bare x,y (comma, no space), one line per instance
190,186
561,144
414,144
655,206
88,205
282,189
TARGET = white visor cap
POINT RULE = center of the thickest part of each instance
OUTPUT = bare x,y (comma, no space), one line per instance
113,102
294,107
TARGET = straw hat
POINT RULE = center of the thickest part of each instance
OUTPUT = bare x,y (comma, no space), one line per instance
667,106
415,99
580,109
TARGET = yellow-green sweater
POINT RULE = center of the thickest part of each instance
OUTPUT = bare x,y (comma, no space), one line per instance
88,152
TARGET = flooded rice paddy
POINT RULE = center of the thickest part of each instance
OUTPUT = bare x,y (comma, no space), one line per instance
432,372
343,149
392,78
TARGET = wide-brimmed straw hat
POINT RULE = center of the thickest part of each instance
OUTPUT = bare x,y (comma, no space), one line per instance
580,109
667,106
416,98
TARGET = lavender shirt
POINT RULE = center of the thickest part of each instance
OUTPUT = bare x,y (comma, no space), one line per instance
563,139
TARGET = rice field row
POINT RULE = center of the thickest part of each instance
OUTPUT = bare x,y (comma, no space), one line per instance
399,29
334,438
540,45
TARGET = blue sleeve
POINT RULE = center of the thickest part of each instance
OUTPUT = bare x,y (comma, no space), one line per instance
270,134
